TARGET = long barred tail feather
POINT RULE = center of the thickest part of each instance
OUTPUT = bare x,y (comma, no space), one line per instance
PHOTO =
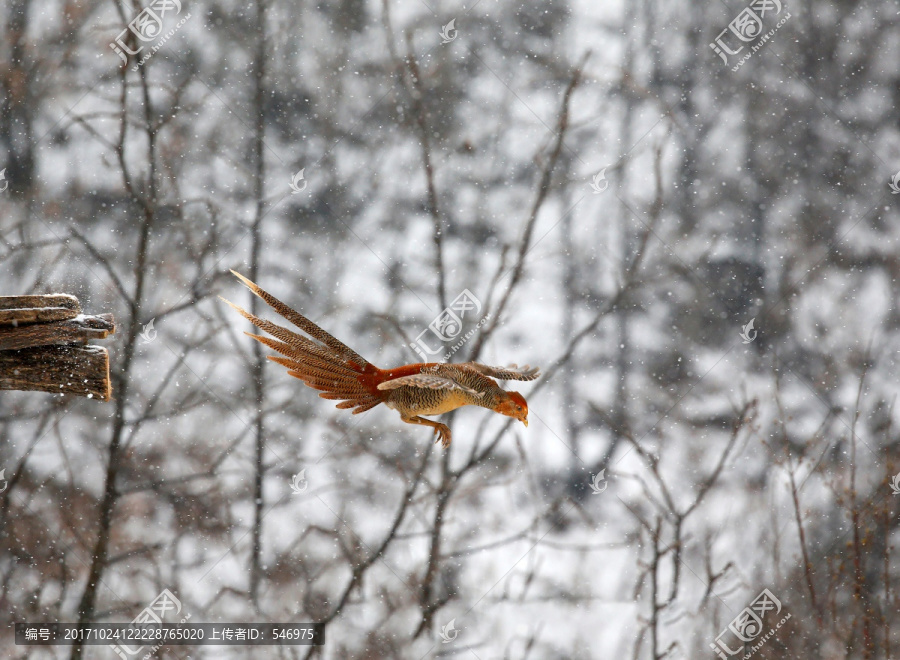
323,362
304,323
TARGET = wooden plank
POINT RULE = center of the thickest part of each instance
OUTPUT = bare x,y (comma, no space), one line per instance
15,310
72,331
42,300
78,370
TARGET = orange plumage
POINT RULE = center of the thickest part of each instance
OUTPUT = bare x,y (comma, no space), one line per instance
340,373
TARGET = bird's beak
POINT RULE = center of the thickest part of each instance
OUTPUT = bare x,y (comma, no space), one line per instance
525,422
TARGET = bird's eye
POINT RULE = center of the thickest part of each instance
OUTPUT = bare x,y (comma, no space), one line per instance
518,407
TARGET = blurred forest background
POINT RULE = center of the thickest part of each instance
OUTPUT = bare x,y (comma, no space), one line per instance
621,202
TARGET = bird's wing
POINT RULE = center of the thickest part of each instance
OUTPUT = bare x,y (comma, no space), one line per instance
428,381
512,372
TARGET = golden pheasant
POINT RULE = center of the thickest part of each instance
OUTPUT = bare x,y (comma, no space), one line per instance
340,373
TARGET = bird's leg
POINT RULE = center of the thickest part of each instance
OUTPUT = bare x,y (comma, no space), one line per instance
440,430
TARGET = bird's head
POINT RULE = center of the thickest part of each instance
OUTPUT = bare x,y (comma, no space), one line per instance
513,405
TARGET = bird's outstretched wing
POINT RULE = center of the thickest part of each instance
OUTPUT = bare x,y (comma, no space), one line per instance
512,372
428,381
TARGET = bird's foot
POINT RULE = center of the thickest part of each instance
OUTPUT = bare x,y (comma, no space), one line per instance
444,435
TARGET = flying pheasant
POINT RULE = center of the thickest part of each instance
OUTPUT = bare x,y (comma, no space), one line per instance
340,373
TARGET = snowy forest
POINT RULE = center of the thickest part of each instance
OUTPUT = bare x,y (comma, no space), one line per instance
686,214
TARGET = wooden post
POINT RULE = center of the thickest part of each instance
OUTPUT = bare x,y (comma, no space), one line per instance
43,346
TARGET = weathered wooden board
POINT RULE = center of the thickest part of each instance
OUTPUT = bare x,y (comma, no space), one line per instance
19,310
79,370
77,330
